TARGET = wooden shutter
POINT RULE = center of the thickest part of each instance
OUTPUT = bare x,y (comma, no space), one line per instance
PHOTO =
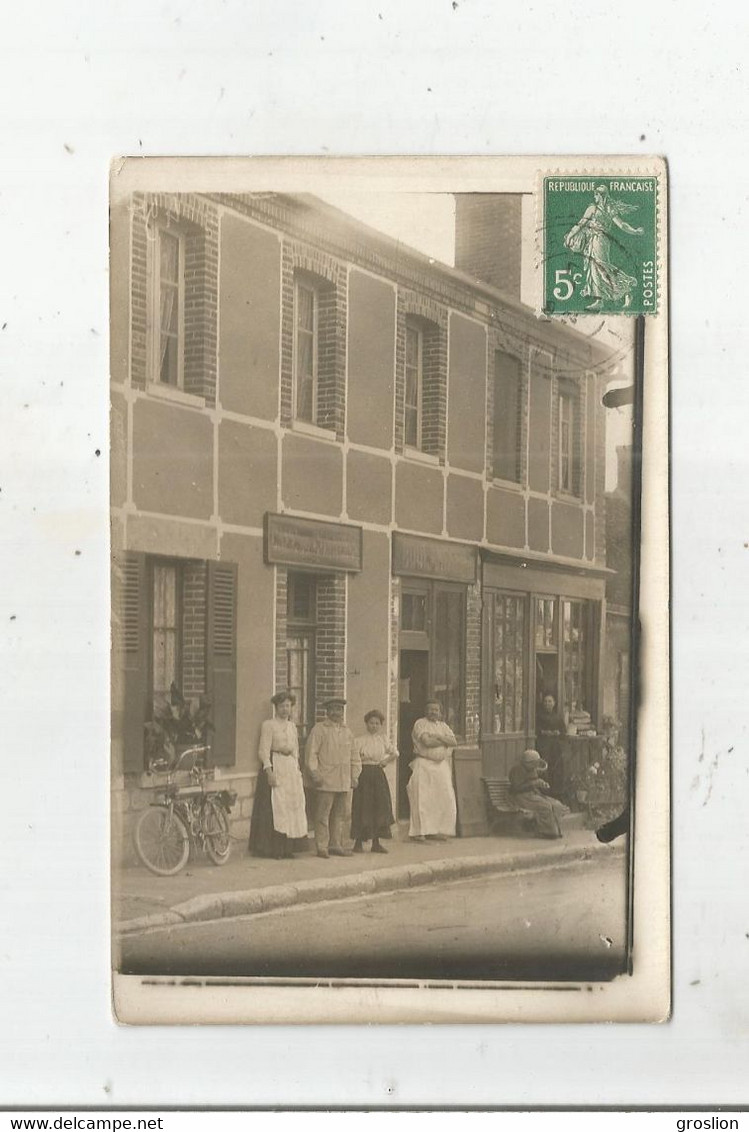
131,614
221,660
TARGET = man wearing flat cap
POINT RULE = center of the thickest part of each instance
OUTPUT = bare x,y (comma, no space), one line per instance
333,765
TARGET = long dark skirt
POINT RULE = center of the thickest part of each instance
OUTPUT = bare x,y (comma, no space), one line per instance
265,841
371,808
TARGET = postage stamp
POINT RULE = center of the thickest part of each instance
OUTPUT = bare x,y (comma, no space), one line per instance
599,242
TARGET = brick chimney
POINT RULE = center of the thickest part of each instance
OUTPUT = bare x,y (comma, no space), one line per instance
488,238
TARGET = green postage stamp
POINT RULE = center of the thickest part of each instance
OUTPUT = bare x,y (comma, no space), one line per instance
600,245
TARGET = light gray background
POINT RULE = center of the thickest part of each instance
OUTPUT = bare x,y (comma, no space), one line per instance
84,82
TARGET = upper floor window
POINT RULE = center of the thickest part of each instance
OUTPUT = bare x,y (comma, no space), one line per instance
306,350
168,309
174,299
507,418
413,405
422,409
568,443
313,333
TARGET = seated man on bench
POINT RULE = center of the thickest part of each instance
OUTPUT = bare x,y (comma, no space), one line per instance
529,791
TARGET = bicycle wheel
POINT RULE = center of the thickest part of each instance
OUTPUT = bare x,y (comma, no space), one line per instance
162,841
216,832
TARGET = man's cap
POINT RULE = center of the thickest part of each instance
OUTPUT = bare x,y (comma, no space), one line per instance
530,757
336,701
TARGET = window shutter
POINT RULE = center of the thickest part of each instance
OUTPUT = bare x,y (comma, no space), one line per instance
221,660
131,613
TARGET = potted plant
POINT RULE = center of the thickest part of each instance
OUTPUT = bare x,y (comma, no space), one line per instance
602,788
176,724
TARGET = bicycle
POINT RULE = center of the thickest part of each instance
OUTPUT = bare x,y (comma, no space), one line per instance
183,817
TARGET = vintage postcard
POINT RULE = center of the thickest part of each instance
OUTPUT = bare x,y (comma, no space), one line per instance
389,513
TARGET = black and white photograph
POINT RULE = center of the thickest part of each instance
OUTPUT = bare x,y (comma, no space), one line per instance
380,569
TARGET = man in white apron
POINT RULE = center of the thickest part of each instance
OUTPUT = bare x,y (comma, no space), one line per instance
431,796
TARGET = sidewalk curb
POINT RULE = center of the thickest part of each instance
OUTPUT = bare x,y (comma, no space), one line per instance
224,905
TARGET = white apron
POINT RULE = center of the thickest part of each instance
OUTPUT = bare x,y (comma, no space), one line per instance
287,797
431,798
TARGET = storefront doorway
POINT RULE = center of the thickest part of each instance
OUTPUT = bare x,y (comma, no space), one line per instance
413,692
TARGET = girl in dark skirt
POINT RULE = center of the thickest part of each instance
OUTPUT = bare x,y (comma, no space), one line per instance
371,808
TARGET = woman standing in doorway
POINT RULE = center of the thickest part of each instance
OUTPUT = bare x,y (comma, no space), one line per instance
550,728
278,814
372,809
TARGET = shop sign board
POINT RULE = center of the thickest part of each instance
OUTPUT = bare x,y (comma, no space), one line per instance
310,543
433,558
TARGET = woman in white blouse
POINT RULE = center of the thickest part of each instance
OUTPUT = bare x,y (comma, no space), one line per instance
278,813
371,808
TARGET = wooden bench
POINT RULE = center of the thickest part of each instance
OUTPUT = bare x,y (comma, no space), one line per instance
501,805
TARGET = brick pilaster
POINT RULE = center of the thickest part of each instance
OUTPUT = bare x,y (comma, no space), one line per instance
473,664
330,647
281,627
194,582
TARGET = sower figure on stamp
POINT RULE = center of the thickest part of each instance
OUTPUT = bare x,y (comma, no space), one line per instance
529,790
431,796
592,236
333,764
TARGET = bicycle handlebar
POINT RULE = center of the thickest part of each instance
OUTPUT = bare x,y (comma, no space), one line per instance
196,752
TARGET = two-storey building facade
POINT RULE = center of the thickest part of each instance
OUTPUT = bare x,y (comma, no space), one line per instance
343,468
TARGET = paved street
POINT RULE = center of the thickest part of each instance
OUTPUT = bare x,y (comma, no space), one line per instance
553,923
